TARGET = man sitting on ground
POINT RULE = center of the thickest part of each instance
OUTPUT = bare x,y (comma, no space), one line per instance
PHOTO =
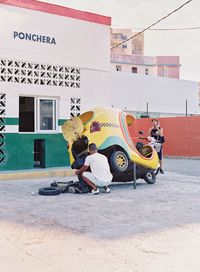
100,174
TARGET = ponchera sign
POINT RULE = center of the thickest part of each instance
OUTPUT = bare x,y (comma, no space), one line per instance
33,37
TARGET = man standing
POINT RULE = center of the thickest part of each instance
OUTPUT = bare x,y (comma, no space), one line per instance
157,133
100,174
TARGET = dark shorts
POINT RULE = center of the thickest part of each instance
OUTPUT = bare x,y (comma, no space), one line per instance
160,153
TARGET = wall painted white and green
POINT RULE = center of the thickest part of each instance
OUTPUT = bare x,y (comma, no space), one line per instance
73,71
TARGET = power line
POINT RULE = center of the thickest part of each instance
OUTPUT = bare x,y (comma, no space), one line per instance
172,29
158,29
164,29
163,18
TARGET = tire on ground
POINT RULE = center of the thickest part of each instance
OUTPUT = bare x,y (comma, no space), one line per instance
49,191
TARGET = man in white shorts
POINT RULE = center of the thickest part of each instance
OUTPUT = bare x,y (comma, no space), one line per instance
100,174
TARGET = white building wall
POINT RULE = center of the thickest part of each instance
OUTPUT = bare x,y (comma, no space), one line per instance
80,44
93,92
166,96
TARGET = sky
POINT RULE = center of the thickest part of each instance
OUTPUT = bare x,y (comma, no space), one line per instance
142,13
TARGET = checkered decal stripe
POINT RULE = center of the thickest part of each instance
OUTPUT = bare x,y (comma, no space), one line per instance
113,125
2,128
25,72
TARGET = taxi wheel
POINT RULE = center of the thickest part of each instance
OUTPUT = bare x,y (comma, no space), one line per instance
150,177
119,161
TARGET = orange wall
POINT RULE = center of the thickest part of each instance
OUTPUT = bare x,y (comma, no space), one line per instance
182,134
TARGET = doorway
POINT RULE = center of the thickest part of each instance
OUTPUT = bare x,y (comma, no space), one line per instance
39,153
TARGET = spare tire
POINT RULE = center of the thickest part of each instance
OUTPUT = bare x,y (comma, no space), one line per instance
49,191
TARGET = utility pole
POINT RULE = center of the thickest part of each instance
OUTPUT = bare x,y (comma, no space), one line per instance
186,107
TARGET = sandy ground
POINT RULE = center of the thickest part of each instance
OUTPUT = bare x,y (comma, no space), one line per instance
54,250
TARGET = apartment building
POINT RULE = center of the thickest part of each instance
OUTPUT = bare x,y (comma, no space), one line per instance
129,57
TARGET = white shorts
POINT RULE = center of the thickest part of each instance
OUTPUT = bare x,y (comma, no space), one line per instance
94,180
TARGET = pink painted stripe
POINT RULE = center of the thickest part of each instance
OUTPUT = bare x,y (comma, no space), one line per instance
59,10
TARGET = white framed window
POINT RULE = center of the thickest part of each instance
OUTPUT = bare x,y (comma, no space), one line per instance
46,114
38,114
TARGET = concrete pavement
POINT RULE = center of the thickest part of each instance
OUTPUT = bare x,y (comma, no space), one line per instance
172,201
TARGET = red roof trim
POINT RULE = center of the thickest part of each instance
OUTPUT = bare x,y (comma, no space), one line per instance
59,10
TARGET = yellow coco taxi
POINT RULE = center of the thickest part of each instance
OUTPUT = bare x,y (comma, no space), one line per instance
108,128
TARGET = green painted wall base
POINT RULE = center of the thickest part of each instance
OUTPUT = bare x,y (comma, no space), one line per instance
19,149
